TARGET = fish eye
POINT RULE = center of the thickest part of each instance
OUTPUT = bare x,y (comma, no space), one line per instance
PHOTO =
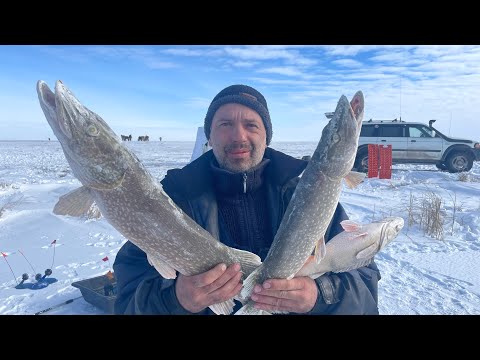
336,137
92,130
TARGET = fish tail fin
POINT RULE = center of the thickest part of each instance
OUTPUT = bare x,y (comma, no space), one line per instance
248,309
353,179
223,308
248,261
249,284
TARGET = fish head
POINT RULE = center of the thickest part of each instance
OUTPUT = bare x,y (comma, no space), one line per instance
390,229
95,154
340,136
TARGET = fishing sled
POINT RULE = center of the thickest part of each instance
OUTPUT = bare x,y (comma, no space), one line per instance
99,291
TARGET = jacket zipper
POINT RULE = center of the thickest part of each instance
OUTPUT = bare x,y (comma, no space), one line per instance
245,202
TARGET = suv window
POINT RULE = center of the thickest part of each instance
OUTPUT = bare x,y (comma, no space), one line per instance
391,131
420,132
368,131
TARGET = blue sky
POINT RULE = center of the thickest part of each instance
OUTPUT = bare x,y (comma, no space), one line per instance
165,90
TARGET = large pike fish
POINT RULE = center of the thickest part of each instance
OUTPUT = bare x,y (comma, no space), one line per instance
129,198
315,198
355,247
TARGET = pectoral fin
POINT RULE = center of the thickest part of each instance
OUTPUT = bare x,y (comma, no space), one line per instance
320,250
368,252
353,179
78,203
162,267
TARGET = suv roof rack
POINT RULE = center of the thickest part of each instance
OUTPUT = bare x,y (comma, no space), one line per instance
385,121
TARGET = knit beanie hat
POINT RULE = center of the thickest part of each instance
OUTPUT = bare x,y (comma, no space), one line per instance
244,95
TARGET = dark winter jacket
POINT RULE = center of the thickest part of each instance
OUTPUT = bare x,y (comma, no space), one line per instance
142,290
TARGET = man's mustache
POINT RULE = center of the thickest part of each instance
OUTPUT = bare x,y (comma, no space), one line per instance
238,147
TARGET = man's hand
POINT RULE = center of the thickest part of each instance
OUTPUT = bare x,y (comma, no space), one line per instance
219,284
297,295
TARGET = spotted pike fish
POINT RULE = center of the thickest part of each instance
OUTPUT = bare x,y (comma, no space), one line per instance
355,247
129,198
315,199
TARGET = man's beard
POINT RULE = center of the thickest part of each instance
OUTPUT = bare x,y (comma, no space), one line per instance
240,165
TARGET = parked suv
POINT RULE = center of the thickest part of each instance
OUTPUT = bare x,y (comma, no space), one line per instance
416,143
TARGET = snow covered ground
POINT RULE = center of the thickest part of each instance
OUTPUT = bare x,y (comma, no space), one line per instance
420,274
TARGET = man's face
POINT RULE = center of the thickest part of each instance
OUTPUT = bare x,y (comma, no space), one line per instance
238,137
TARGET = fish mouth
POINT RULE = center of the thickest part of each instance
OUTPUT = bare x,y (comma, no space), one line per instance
343,123
49,103
390,229
64,113
357,105
348,125
356,108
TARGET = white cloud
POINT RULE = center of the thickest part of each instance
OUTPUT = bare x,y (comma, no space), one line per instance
194,52
198,103
349,63
288,71
243,64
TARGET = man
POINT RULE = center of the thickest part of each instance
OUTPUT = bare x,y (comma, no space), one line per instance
239,192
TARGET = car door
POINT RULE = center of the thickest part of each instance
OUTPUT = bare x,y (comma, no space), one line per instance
394,135
423,144
368,134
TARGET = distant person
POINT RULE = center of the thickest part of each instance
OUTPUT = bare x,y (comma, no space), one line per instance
239,192
48,139
160,138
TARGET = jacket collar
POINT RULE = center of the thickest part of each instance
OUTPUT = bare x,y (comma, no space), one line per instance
229,183
196,178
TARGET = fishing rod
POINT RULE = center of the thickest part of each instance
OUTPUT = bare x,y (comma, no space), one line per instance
58,305
53,260
29,263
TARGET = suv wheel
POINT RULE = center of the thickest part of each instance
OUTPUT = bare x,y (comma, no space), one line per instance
361,162
459,161
441,166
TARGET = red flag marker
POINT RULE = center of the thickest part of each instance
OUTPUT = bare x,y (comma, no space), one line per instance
109,265
5,258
